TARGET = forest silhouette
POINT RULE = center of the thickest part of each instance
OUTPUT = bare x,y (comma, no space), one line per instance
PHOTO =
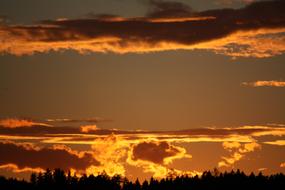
209,180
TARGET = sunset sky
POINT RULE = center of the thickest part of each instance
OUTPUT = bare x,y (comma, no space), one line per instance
142,88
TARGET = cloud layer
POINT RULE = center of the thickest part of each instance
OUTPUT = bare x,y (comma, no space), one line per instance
115,151
254,31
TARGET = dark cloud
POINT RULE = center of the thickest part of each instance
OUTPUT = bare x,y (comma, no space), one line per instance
37,130
84,120
40,130
31,157
164,9
155,152
145,34
256,15
100,16
214,132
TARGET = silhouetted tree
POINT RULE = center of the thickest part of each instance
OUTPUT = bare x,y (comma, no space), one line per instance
209,180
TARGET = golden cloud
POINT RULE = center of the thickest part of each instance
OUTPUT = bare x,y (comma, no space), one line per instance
14,168
231,145
84,120
277,142
271,83
110,151
238,152
88,128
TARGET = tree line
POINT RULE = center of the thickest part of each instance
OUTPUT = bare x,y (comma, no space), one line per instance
209,180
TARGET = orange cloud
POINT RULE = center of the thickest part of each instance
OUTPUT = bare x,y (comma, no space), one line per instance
14,123
88,128
268,131
271,83
249,147
244,32
14,168
278,142
231,145
282,165
238,152
110,151
86,120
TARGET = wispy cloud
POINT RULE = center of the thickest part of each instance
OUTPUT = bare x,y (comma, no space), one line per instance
264,83
242,32
237,151
277,142
76,135
84,120
230,2
15,123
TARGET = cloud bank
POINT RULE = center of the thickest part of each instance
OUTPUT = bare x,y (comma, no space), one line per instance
93,150
256,30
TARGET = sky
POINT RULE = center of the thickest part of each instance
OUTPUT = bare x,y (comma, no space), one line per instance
142,88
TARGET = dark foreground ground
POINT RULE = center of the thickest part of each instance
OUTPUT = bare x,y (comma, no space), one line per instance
58,179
